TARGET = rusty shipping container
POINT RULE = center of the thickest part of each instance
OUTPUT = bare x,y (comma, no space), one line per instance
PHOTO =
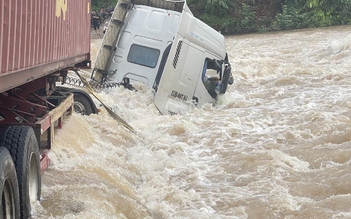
38,37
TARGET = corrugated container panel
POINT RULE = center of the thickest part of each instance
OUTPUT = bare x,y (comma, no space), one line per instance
36,32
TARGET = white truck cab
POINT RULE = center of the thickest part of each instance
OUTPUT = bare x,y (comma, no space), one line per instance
161,44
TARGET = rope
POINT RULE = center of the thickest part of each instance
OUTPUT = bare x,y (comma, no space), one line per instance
112,114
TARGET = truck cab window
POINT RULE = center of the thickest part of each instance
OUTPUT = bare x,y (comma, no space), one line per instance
211,76
144,56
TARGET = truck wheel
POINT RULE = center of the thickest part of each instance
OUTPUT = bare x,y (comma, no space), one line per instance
23,147
9,202
82,105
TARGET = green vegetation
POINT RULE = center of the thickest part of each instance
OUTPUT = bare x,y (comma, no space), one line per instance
96,5
250,16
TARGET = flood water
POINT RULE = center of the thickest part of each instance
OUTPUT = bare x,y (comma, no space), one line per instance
278,144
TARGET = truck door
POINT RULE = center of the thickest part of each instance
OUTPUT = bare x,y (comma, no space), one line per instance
179,79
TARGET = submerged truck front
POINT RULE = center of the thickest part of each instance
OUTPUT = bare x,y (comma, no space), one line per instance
160,43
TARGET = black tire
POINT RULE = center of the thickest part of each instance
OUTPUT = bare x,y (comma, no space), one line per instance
23,147
9,202
82,105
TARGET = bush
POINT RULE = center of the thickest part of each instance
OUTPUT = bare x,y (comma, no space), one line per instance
290,18
248,22
342,16
217,7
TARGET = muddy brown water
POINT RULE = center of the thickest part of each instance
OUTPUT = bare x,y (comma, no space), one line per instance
278,144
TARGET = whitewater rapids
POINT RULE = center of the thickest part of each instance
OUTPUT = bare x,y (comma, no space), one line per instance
278,144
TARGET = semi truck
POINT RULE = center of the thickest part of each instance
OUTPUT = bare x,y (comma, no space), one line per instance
156,42
162,44
40,42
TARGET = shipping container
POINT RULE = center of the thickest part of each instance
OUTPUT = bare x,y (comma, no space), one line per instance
38,37
40,42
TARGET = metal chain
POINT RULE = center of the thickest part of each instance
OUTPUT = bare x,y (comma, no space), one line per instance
96,85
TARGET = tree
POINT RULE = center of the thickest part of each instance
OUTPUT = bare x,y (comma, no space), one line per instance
217,7
329,12
98,4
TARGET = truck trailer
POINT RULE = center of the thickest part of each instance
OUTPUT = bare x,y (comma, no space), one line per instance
163,45
40,42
